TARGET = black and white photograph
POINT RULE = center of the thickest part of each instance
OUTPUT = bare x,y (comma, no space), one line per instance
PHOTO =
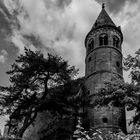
69,69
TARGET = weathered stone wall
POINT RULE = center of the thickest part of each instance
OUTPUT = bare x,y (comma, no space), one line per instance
94,34
103,63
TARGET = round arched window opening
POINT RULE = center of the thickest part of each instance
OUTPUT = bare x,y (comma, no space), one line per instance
118,64
103,39
105,120
116,41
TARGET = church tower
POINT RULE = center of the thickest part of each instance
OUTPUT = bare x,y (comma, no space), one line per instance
103,62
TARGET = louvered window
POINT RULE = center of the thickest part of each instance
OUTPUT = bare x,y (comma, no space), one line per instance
103,39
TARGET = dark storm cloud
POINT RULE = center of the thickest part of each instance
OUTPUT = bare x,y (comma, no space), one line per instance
4,18
4,24
61,4
34,40
2,6
116,6
8,20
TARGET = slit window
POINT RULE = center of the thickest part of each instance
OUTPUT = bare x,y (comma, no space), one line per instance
89,59
96,24
118,64
103,39
91,46
116,41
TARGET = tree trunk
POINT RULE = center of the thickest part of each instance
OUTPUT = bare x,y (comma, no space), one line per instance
45,87
22,130
26,124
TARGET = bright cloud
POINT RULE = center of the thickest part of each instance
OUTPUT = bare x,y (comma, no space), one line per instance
60,26
3,56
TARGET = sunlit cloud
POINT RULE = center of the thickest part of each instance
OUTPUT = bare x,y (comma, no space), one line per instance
60,26
3,56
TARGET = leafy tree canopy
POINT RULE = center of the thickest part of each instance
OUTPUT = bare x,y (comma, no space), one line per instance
37,84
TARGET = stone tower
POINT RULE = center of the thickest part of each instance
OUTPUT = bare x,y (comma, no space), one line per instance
103,62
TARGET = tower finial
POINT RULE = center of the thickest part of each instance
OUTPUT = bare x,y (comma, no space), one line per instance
103,6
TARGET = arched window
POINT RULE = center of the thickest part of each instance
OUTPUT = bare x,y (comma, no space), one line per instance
116,41
91,46
103,39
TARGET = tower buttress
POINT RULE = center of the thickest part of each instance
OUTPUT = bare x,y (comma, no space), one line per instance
103,62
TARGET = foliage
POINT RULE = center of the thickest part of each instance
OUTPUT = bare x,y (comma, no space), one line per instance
10,138
62,127
37,84
120,95
132,63
81,134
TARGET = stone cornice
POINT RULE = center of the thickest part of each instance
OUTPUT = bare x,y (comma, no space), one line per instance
105,46
104,71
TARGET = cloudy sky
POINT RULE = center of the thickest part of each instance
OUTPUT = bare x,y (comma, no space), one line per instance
60,27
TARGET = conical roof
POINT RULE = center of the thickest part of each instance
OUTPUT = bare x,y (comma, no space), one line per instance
103,19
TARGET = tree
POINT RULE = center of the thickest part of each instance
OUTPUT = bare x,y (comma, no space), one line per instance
62,127
35,86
